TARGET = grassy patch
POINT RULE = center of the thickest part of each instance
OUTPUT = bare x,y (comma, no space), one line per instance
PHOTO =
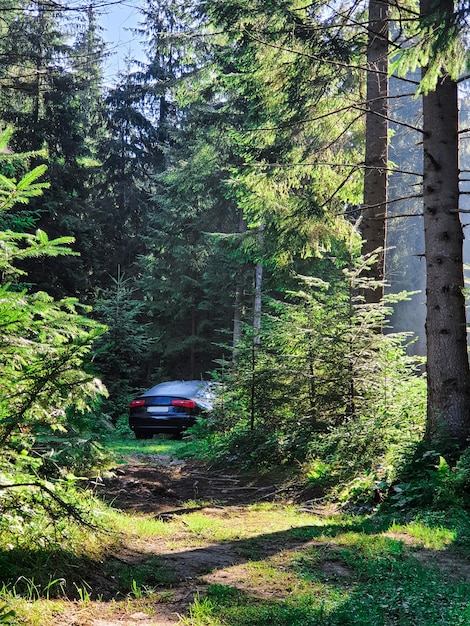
141,526
384,589
436,538
347,577
122,449
141,577
290,569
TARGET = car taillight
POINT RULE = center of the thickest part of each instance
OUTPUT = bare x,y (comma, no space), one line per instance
135,403
186,404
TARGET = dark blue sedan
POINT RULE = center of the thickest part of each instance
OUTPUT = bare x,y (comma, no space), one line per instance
170,407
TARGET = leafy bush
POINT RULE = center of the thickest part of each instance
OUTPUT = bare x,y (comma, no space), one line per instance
240,446
429,481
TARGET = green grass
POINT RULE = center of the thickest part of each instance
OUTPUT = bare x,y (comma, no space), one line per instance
359,571
436,538
122,448
144,575
378,586
143,527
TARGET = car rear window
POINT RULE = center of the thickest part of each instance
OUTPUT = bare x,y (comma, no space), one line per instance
183,388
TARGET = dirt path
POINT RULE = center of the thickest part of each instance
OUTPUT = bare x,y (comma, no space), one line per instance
166,489
158,484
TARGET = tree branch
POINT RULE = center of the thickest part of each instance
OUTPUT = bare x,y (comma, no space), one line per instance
70,509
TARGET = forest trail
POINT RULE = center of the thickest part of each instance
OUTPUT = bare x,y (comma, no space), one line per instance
159,484
164,488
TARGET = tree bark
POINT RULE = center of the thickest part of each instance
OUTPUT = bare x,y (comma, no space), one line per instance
237,313
376,151
257,304
258,293
258,284
448,403
237,323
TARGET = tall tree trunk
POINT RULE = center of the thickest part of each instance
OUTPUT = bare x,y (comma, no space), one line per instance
39,64
258,293
376,155
258,281
448,405
192,350
237,313
257,304
237,323
258,284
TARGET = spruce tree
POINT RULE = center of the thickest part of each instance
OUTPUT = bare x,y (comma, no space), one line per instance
448,369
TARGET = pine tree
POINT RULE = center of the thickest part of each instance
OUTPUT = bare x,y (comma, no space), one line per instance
439,50
54,104
45,343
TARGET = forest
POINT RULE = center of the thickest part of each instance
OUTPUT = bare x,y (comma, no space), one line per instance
275,200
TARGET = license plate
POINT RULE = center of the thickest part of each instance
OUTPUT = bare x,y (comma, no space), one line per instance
158,409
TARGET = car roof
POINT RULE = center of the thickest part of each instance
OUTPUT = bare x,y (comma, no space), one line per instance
187,388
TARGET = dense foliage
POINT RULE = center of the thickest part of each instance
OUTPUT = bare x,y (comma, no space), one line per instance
48,385
201,218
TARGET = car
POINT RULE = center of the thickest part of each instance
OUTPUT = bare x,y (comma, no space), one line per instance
170,407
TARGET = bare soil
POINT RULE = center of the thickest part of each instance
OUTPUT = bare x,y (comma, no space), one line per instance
161,485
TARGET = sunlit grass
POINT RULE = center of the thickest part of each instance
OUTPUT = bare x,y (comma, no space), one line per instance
436,538
207,527
29,612
51,612
122,449
370,546
141,526
227,524
379,586
348,576
276,576
318,570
